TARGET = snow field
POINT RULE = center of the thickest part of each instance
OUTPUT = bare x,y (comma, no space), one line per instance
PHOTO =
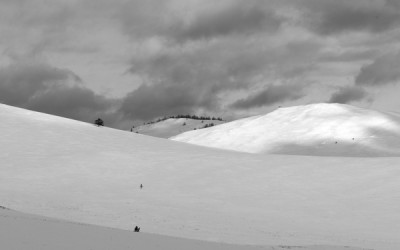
79,172
173,126
316,129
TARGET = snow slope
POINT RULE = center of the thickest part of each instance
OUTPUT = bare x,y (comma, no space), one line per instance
173,126
21,231
316,129
75,171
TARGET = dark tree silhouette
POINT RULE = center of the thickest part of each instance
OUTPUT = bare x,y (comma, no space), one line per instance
194,117
99,122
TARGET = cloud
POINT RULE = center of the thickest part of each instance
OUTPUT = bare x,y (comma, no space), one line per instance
19,82
242,17
186,80
383,70
348,94
28,32
181,82
74,102
190,56
350,55
40,87
180,22
150,101
271,95
327,17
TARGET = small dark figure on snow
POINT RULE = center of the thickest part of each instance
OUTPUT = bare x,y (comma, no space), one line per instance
137,229
141,186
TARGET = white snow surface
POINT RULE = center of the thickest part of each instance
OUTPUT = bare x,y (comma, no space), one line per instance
20,231
79,172
316,129
173,126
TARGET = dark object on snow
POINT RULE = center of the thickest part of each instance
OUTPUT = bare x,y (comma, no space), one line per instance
99,122
137,229
141,186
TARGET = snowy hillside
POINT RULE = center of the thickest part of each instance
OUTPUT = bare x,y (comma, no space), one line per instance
173,126
22,231
76,171
316,129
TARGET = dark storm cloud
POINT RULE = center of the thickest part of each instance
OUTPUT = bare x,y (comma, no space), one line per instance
348,94
271,95
243,17
180,80
152,101
19,82
188,56
69,101
328,17
154,18
43,88
383,70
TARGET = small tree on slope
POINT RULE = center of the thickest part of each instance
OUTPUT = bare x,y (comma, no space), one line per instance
99,122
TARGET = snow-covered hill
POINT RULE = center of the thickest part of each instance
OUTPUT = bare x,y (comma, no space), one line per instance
22,231
173,126
316,129
76,171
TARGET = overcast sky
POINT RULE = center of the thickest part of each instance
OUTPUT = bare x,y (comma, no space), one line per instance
129,61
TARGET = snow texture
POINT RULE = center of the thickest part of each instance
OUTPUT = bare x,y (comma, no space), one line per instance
173,126
79,172
316,129
21,231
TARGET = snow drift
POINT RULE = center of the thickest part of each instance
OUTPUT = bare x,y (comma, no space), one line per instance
316,129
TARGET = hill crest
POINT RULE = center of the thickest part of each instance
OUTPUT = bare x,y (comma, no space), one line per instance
315,129
171,126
